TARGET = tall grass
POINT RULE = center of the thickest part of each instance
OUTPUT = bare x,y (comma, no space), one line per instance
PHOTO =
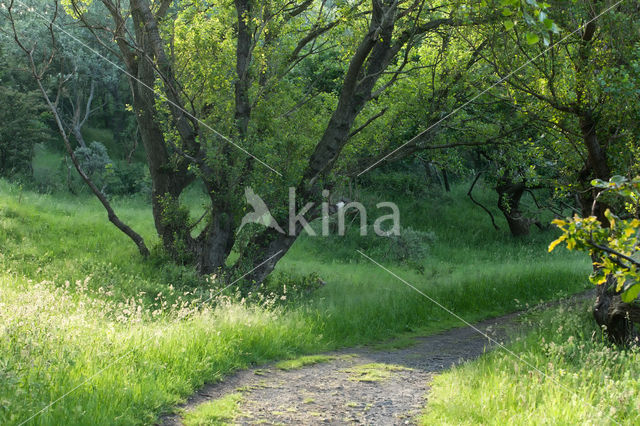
585,381
75,297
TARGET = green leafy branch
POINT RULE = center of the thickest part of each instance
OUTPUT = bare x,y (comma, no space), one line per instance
614,247
535,14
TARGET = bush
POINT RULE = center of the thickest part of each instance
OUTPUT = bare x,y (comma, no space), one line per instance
113,179
128,179
95,162
410,247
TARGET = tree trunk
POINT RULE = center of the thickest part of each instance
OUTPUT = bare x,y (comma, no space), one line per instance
445,180
168,180
264,252
509,196
214,244
617,317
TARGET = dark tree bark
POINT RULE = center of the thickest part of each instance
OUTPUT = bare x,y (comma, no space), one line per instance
509,196
616,316
479,204
445,180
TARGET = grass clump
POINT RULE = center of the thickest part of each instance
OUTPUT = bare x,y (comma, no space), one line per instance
293,364
586,379
221,411
373,372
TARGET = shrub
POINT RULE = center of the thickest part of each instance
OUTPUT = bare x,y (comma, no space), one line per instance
112,178
410,247
128,179
95,162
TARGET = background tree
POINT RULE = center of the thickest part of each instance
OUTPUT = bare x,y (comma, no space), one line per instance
581,91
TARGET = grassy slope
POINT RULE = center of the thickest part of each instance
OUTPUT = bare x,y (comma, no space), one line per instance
587,381
54,336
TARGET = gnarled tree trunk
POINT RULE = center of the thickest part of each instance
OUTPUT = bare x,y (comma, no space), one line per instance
509,196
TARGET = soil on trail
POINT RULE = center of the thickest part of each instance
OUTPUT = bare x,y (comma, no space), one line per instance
363,385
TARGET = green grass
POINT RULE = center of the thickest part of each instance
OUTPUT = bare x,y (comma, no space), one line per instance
373,372
586,380
77,303
302,361
221,411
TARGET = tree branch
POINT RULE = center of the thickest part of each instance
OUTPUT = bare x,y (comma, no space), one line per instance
469,193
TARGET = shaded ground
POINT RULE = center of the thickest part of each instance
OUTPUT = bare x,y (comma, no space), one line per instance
357,386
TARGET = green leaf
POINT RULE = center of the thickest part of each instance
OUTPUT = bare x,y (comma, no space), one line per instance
542,16
532,38
631,293
528,19
599,183
548,23
617,179
508,25
507,12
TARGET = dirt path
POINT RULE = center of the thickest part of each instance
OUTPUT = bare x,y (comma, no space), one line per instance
354,386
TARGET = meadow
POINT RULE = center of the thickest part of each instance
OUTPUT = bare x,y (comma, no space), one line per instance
106,337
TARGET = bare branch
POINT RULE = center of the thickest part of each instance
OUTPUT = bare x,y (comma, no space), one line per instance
369,121
477,203
113,217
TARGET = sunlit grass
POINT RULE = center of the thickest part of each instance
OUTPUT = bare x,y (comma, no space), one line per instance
220,411
302,361
585,381
79,304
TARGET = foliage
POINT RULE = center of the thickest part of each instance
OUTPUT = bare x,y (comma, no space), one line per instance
128,179
614,245
23,126
94,161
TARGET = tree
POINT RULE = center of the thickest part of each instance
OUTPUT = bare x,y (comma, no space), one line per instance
583,89
270,42
38,72
614,246
22,114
